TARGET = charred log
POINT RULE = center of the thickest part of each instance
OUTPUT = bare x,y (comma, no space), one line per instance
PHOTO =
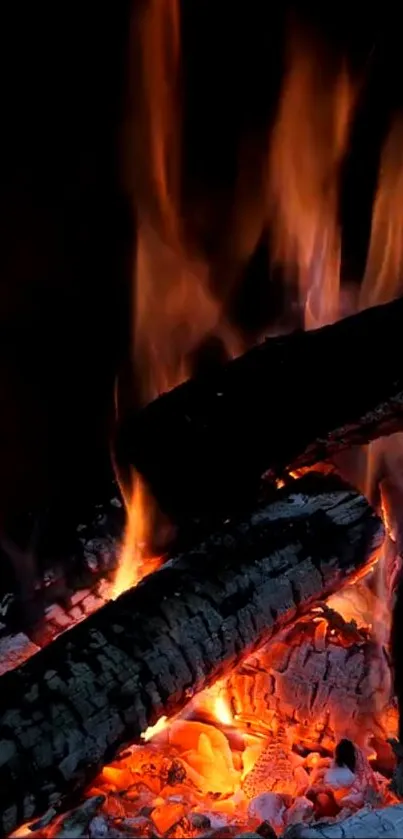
371,823
203,447
69,709
317,677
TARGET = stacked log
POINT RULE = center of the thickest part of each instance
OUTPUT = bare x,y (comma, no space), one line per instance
70,708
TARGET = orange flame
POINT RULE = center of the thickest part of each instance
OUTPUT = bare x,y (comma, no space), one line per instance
382,282
153,113
383,275
133,565
173,307
307,148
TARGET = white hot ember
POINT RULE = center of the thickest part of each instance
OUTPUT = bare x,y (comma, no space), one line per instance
240,759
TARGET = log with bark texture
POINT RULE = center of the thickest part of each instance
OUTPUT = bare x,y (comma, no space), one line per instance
68,710
366,824
290,402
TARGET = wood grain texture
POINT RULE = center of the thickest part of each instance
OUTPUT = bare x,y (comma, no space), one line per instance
97,687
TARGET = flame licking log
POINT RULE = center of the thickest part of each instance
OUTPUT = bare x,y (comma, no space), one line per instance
69,709
290,402
318,678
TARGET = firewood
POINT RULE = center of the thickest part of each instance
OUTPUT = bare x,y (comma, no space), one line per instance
70,708
290,402
316,676
366,823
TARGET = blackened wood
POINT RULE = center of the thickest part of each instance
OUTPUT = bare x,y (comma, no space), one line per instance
68,710
290,402
64,551
366,822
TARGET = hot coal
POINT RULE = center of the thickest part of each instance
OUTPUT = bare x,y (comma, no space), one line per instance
103,682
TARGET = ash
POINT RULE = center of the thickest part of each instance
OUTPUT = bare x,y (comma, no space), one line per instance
294,743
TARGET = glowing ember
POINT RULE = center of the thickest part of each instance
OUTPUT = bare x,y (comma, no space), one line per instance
152,730
222,711
299,730
265,760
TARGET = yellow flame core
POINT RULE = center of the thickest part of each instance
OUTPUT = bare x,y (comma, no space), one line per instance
222,711
130,566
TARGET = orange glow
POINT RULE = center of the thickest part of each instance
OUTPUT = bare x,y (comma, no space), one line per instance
173,307
153,139
307,148
272,724
152,730
222,711
383,282
308,145
174,311
383,275
133,566
233,754
189,766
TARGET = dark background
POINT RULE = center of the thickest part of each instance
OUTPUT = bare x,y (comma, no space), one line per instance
65,224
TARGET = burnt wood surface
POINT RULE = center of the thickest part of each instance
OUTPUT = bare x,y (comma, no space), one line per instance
366,822
97,687
317,678
290,402
63,552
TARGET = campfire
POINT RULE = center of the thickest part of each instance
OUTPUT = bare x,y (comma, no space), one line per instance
226,670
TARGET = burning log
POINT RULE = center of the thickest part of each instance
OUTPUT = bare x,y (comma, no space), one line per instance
316,676
367,822
70,708
278,407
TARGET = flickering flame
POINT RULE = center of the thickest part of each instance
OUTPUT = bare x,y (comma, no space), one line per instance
153,138
307,148
383,277
196,764
308,145
133,563
173,307
383,282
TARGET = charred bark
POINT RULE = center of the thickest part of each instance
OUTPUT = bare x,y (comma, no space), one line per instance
69,709
372,823
291,402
